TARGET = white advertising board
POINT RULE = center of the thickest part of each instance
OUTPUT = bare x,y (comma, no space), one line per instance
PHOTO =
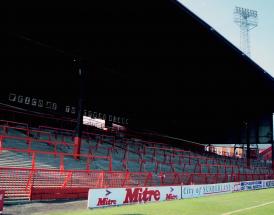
121,196
193,191
251,185
268,183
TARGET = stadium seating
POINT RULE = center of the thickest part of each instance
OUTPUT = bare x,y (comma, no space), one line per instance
42,158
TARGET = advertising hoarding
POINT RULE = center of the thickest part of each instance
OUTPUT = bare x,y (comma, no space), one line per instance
193,191
121,196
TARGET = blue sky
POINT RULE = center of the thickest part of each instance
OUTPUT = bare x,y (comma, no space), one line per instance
219,14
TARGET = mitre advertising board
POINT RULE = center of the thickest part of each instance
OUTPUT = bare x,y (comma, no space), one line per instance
138,195
121,196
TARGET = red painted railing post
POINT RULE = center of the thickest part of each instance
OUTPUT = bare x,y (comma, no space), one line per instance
88,163
101,179
31,186
28,141
206,180
149,177
67,178
1,143
126,178
124,164
239,176
110,163
162,176
141,163
190,180
77,147
62,163
33,161
176,177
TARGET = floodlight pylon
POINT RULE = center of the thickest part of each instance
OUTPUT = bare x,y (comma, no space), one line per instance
246,19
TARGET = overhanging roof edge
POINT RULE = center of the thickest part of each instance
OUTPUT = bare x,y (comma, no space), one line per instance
210,29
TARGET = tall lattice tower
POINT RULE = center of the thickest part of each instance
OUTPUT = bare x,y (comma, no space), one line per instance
247,20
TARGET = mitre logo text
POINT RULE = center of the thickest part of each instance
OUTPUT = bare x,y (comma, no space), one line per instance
141,195
106,201
171,196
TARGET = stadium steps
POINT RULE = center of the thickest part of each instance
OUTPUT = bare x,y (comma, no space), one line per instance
156,161
14,186
13,159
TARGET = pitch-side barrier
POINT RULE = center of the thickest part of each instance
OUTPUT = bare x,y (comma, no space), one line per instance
138,195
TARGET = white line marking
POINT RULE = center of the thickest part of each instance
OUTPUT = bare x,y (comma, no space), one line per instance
249,208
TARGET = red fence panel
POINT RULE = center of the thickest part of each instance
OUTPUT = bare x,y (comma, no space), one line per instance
55,184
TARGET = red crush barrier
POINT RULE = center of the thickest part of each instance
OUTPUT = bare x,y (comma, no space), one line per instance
54,184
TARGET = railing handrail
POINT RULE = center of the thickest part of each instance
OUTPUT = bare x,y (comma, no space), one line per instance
31,140
13,122
55,153
124,172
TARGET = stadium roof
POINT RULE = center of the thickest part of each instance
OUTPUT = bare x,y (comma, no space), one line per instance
152,61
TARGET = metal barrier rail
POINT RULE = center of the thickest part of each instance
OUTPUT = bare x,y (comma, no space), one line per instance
13,179
30,141
142,143
7,122
33,154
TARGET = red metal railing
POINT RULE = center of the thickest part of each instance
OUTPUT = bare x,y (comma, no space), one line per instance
13,123
42,183
61,156
170,155
12,179
144,146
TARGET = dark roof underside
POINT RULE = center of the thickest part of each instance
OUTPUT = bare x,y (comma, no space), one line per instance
152,61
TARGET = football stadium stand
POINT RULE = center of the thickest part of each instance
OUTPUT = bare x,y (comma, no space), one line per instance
154,66
38,163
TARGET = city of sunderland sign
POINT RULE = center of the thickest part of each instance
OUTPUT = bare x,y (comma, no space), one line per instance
41,103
